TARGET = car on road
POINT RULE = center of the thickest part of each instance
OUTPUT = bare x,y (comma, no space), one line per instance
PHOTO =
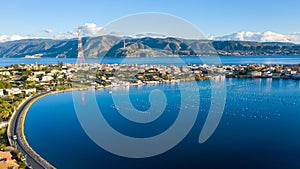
15,137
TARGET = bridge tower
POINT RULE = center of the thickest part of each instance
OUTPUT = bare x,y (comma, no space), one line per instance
80,57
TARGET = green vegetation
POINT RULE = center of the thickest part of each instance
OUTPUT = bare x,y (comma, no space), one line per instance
4,84
7,106
6,110
22,165
3,138
18,156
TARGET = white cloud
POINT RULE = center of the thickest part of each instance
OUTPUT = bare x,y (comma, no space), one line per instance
91,29
262,37
294,37
5,38
48,30
153,35
88,29
68,35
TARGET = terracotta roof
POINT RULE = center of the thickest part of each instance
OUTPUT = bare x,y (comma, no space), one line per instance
9,164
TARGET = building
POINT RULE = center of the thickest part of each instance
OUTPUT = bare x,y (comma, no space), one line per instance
1,92
32,79
5,73
47,78
255,74
29,91
267,74
13,91
3,124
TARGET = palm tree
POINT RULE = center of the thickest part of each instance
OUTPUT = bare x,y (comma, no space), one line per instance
15,105
11,97
6,113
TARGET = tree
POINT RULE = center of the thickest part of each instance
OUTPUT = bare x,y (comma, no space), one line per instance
16,154
5,113
2,146
4,85
4,104
15,105
22,165
12,97
5,109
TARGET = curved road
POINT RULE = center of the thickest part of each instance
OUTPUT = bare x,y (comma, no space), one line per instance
15,129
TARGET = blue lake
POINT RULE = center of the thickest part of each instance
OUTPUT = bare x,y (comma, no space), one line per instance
259,128
162,60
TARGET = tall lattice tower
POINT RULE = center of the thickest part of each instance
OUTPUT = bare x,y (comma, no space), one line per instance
80,57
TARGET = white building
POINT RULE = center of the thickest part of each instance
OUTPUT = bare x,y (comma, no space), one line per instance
1,92
267,74
5,73
29,91
3,124
293,72
39,73
32,79
47,78
13,91
255,74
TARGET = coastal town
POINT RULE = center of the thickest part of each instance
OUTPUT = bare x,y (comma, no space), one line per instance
21,81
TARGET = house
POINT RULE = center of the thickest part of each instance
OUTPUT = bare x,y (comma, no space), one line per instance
293,72
1,92
255,74
3,124
39,73
32,79
185,69
219,70
5,73
13,91
47,78
29,91
267,74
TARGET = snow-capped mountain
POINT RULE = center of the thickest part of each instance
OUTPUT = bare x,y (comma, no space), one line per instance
262,37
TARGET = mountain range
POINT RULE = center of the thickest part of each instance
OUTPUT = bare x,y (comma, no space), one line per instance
113,46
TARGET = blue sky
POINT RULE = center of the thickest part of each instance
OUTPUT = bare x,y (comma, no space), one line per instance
212,17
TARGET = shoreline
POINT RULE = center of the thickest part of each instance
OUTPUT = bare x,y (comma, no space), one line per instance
21,124
22,127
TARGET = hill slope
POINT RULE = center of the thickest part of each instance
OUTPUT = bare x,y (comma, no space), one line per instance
112,46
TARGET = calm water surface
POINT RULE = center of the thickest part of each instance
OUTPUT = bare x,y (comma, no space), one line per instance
259,129
162,60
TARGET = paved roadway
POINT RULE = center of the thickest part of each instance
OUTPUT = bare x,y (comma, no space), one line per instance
15,129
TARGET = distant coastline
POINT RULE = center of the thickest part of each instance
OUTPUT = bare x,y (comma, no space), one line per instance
237,60
34,56
113,46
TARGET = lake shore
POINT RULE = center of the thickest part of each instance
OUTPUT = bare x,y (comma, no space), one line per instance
245,99
18,120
